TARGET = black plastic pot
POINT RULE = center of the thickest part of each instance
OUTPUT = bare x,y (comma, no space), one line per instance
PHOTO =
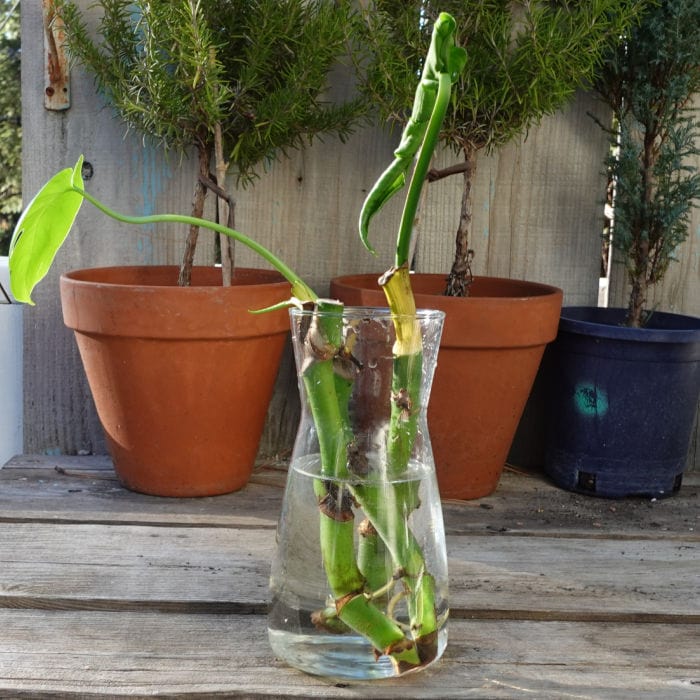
622,402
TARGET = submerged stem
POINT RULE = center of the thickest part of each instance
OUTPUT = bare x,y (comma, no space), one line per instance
328,396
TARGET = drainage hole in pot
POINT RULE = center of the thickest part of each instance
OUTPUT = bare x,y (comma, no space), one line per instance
586,481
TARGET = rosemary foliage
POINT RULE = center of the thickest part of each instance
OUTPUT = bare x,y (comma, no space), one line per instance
176,71
525,60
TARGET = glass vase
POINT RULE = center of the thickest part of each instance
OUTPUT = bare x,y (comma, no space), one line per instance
359,580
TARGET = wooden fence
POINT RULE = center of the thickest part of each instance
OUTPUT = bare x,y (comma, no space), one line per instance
538,216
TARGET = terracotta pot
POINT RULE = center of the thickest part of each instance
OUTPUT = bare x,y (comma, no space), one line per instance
181,377
491,348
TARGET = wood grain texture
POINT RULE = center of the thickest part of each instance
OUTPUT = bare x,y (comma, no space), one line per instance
109,593
227,569
65,489
129,175
537,207
97,654
514,551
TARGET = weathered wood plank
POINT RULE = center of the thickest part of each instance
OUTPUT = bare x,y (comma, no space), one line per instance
144,654
116,565
225,569
129,175
583,578
85,489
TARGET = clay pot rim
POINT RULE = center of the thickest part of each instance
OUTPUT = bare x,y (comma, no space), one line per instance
512,289
476,321
131,308
204,276
665,327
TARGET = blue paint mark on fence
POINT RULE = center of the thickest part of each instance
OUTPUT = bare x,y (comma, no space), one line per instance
154,174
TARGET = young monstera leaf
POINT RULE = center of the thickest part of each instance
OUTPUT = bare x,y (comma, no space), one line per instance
42,229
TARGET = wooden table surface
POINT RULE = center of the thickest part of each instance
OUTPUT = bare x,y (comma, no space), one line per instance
104,592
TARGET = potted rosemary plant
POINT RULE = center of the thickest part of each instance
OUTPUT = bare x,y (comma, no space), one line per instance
208,78
526,60
625,382
359,582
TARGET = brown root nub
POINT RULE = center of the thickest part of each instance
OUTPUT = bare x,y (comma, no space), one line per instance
344,368
402,399
324,622
340,602
366,529
403,402
427,646
317,346
345,364
399,647
357,460
318,619
338,509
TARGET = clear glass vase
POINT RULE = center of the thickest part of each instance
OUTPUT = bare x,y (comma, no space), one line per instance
359,580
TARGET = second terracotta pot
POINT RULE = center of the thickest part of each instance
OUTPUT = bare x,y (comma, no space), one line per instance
491,348
181,376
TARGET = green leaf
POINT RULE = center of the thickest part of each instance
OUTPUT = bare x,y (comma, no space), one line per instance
382,191
41,230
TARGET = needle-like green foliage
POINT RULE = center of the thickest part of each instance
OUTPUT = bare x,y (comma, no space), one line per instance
650,82
176,71
525,60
